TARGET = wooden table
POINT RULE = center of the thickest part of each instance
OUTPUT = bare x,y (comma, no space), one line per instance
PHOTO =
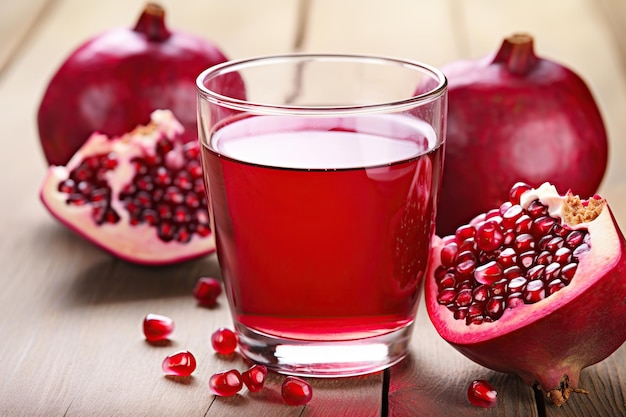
71,314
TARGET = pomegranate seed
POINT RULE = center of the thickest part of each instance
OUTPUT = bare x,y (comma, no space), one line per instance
527,259
224,341
495,307
554,286
181,363
507,258
542,225
512,272
465,232
481,393
466,255
504,207
446,296
468,245
463,298
568,271
534,292
447,281
448,254
536,272
562,255
488,273
523,224
535,209
157,327
489,236
207,290
574,238
544,258
460,313
517,190
560,231
481,293
296,391
511,216
584,248
524,243
552,271
226,383
517,284
499,287
466,268
254,378
478,219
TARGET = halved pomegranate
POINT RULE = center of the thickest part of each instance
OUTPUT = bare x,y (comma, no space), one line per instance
535,287
139,196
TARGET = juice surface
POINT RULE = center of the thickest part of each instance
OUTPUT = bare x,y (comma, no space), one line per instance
327,221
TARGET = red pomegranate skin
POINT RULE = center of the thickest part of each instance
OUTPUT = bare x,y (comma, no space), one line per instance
515,117
114,81
548,343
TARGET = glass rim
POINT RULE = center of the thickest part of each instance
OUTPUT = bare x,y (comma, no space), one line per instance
284,109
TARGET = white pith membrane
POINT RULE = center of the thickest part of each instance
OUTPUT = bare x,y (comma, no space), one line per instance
136,243
604,253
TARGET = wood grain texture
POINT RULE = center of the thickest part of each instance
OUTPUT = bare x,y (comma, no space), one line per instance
433,381
17,19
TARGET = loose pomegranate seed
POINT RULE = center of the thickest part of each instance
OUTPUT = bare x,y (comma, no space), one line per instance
181,363
207,290
224,341
481,393
254,378
296,391
157,327
507,257
226,383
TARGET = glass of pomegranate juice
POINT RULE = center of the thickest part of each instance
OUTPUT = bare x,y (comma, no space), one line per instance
322,185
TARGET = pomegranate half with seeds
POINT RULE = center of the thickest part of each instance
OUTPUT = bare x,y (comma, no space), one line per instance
139,196
535,287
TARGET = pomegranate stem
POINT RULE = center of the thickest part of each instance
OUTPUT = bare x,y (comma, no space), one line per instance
152,23
517,54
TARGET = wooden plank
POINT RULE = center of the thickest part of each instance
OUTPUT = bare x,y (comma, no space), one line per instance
433,381
614,12
72,341
401,28
17,22
606,384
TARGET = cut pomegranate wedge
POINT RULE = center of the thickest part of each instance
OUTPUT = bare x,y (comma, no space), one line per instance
139,196
535,287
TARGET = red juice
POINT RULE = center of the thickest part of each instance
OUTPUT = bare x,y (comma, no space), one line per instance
323,224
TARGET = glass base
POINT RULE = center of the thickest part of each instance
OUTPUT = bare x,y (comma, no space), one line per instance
324,359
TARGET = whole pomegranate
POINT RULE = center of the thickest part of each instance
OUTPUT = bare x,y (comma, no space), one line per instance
140,196
534,287
513,116
112,83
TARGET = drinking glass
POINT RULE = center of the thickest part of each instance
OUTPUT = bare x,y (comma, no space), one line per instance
322,182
